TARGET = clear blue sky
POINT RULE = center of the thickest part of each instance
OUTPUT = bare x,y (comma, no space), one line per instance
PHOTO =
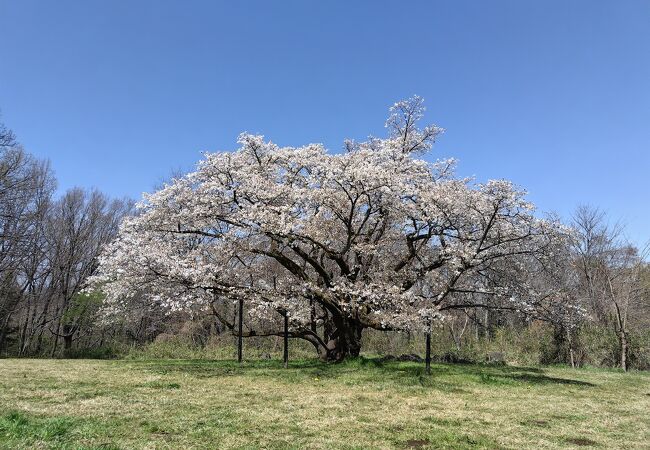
554,95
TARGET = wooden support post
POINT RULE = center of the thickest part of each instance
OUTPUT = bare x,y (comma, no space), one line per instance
240,338
286,340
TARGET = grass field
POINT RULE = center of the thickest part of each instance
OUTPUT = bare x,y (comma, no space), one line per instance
357,404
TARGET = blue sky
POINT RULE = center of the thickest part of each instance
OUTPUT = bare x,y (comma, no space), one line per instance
554,95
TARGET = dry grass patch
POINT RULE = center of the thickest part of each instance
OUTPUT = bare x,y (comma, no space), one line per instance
358,404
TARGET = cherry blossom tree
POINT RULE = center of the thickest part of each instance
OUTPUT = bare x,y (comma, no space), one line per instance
374,237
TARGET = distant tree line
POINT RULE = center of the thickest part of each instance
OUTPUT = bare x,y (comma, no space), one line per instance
48,248
607,278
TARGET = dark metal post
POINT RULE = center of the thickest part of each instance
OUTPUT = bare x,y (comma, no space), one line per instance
428,345
240,338
286,340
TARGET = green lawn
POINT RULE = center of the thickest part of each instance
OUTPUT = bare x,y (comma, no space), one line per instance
357,404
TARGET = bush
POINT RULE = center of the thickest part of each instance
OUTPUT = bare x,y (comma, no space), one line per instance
598,346
640,350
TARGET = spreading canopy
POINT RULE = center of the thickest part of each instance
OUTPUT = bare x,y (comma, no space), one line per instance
372,237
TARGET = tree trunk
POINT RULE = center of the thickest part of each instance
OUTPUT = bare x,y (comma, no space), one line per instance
488,326
345,341
67,341
571,353
559,339
312,316
55,336
68,333
3,331
622,336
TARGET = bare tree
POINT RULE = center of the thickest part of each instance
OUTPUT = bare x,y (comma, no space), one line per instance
47,250
26,185
611,272
79,225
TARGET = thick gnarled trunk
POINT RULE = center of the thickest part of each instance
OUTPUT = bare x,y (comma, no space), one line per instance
341,341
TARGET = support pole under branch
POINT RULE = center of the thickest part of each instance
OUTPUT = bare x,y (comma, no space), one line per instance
240,338
428,346
286,340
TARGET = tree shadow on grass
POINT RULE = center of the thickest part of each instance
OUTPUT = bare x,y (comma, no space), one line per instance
543,379
362,370
486,373
205,368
